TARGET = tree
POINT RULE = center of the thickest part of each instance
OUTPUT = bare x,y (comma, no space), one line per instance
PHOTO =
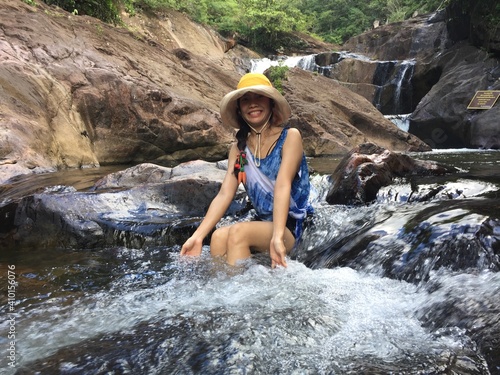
264,24
264,20
105,10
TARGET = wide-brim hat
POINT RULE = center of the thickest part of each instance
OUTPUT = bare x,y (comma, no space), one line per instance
259,84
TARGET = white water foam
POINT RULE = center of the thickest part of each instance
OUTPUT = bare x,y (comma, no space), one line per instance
319,316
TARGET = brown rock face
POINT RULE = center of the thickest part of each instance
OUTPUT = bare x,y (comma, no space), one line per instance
80,93
333,119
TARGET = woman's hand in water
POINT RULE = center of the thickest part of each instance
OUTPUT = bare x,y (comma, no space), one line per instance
278,253
192,247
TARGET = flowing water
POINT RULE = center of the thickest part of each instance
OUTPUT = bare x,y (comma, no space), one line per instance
391,78
371,290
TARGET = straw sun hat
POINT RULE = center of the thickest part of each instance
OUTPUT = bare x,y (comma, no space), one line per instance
257,83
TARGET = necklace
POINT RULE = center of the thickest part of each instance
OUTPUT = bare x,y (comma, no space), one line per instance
258,147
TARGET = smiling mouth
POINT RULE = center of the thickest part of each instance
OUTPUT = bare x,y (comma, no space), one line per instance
255,113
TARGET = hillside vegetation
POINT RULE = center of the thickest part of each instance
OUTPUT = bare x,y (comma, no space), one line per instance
264,25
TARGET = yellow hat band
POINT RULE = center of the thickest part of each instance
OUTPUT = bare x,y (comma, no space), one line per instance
253,79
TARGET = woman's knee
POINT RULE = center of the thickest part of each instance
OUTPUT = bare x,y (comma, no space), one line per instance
218,242
237,235
238,241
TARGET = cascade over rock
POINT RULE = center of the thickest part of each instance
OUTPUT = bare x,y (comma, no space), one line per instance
386,84
427,67
450,66
381,64
77,92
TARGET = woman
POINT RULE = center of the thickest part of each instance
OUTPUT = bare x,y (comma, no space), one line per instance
268,158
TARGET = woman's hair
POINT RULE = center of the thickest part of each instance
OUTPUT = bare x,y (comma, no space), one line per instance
241,137
242,134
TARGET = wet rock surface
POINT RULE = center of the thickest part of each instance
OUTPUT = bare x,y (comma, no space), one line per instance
367,168
145,205
445,243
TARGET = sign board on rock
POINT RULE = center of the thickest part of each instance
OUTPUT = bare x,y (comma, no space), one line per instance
484,99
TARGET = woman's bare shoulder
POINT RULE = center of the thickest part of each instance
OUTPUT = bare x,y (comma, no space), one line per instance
294,135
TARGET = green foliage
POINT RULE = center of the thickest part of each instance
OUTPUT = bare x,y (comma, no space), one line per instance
338,20
129,7
223,15
396,10
479,19
105,10
265,25
492,16
263,22
277,74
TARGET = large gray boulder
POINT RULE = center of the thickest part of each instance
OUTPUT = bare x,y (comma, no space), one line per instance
442,118
144,205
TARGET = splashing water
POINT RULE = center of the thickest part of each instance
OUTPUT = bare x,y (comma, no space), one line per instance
201,314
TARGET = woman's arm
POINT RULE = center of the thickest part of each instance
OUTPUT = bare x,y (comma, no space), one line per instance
291,158
216,210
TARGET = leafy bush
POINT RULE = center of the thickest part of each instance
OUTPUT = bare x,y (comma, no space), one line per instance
277,74
265,25
105,10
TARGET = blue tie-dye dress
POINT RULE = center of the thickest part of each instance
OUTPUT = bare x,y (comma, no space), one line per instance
261,181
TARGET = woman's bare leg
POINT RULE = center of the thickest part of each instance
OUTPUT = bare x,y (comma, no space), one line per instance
235,241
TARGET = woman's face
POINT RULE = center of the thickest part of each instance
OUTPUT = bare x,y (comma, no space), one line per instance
255,108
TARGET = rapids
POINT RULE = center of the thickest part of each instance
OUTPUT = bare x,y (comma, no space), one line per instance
403,285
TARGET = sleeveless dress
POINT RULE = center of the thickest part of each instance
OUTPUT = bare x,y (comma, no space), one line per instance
261,181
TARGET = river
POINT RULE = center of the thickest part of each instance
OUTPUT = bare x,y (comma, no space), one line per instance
395,287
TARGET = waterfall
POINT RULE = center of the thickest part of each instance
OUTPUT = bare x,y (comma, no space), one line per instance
382,75
303,62
307,62
393,95
392,79
402,82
